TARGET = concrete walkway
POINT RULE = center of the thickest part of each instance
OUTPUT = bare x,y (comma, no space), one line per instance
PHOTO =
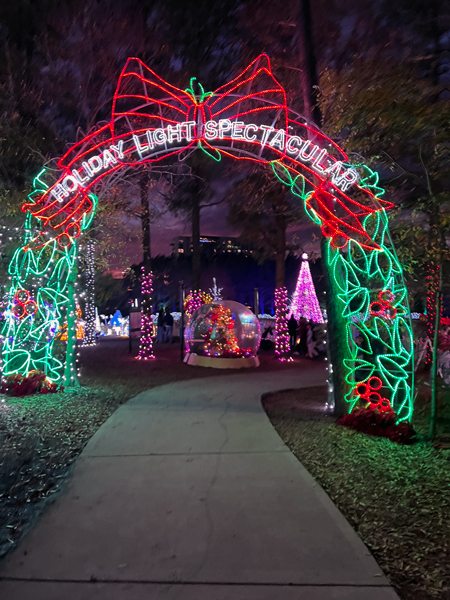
188,493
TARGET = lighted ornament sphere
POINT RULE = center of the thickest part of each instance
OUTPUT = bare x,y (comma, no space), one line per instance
223,335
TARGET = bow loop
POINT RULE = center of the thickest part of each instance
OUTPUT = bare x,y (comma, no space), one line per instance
255,94
143,100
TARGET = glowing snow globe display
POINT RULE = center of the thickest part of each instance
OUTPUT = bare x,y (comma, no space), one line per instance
223,335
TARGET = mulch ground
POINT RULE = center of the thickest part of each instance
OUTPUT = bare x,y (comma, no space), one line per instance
41,436
396,497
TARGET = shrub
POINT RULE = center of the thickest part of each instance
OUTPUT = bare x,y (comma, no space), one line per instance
35,382
379,423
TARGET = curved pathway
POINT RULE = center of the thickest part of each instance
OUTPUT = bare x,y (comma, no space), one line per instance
187,492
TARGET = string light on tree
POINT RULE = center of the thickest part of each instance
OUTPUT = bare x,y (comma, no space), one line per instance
146,343
90,323
281,328
432,291
304,301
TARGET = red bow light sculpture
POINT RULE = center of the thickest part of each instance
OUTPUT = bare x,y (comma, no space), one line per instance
247,119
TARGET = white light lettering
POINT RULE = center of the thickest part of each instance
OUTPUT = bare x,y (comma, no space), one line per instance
290,148
174,132
349,177
148,135
66,182
96,164
267,130
335,171
117,149
303,154
278,140
139,147
159,135
247,129
317,163
189,130
59,192
87,169
224,125
108,159
237,133
210,130
81,181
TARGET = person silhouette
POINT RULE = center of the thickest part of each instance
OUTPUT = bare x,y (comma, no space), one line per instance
168,329
292,329
161,323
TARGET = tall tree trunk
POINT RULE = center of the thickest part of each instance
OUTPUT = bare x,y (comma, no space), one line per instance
196,248
280,272
336,336
145,220
308,61
336,328
146,342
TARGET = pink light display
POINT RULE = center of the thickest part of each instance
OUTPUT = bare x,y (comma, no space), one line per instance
146,343
281,329
197,300
304,301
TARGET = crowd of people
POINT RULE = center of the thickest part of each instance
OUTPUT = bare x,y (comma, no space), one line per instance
302,338
165,326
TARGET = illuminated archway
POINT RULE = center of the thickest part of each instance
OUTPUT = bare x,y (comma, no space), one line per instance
246,119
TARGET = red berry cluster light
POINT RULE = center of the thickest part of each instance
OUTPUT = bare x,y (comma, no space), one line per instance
281,328
146,343
23,306
383,306
432,290
368,391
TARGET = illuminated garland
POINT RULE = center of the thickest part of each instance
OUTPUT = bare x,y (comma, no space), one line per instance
146,342
379,337
282,347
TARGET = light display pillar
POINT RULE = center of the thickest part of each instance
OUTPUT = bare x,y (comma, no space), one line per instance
433,276
304,301
337,352
281,329
70,367
90,321
146,342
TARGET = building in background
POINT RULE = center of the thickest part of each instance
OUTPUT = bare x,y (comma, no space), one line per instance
211,246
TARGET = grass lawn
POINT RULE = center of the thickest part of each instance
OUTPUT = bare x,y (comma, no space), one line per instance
396,497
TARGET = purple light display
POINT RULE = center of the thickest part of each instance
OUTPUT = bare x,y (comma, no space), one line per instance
304,301
281,330
146,344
